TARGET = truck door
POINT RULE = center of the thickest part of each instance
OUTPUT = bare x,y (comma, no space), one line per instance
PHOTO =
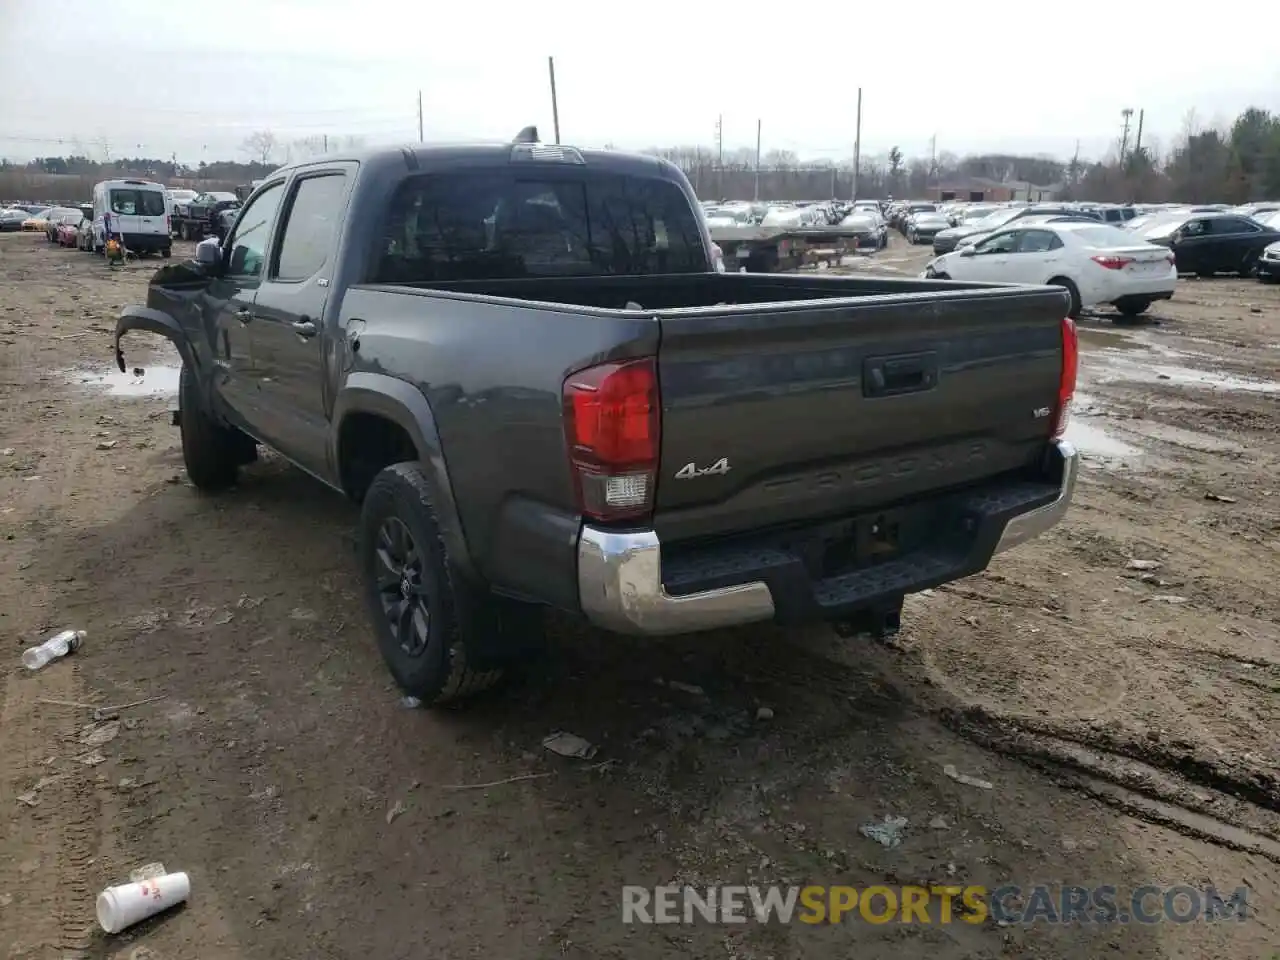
228,306
291,346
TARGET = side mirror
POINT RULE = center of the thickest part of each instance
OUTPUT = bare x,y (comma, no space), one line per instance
967,251
209,252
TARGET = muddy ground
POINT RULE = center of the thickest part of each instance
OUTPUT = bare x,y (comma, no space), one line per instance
1125,719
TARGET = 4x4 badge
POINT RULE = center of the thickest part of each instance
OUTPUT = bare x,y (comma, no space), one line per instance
691,470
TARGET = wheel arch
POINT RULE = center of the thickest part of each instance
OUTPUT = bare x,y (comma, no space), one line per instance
373,417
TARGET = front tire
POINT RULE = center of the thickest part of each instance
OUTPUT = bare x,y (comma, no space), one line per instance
211,452
431,623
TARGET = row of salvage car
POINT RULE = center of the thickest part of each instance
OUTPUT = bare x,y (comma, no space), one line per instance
1127,267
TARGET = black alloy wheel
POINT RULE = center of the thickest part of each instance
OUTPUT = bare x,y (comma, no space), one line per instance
402,582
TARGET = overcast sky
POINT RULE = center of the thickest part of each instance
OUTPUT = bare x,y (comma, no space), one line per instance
156,78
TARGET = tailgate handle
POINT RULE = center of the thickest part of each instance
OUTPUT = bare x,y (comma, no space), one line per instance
907,373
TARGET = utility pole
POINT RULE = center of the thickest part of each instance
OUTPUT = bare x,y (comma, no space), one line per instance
857,146
757,193
720,157
326,143
555,104
1137,142
1127,113
420,116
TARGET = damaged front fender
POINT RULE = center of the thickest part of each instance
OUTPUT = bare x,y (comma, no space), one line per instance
153,321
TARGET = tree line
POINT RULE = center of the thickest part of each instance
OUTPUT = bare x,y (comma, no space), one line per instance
1228,163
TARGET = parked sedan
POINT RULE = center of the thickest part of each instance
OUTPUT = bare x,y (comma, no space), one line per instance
37,222
1095,263
67,231
55,218
870,230
1209,243
924,225
11,219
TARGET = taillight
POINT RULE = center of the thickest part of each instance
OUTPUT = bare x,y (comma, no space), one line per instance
1171,259
1112,263
1067,379
611,426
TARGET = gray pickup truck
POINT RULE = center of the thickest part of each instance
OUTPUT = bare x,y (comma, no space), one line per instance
520,360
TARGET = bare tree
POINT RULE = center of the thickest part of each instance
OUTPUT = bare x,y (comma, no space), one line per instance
260,145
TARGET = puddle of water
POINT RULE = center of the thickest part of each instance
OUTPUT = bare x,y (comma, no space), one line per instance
1091,336
1190,439
1091,440
156,381
1116,367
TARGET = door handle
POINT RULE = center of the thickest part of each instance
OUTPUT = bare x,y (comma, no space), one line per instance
304,328
244,316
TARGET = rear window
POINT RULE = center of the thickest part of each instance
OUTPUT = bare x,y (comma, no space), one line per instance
139,203
500,224
1101,236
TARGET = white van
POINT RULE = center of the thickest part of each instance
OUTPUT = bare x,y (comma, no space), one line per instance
135,211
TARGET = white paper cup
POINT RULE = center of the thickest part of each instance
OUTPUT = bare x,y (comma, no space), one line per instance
122,906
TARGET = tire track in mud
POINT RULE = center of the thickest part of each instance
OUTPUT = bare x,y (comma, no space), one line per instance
1212,800
56,837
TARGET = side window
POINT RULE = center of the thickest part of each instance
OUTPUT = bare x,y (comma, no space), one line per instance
1039,241
248,245
1000,243
1232,225
310,227
1194,228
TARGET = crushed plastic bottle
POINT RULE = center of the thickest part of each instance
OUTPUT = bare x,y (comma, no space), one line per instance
59,645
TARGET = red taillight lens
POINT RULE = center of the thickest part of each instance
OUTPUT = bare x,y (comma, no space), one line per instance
1112,263
1067,380
611,427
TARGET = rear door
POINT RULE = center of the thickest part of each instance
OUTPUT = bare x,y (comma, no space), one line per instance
1234,239
289,347
1036,259
136,208
790,412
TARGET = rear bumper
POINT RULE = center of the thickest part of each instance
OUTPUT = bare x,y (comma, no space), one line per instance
146,242
623,587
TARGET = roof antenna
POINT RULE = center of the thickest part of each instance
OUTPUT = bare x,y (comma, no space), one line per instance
527,135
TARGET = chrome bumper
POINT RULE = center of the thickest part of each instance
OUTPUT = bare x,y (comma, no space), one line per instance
1035,522
620,587
620,574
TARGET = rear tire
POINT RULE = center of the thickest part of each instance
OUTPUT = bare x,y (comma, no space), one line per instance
167,252
1133,308
211,452
431,623
1076,306
1249,267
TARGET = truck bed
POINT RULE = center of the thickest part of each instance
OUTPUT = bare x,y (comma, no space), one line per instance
777,374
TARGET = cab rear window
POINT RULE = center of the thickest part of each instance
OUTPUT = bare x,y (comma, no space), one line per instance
137,203
489,225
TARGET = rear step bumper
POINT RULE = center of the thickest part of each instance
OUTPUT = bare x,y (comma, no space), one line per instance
622,585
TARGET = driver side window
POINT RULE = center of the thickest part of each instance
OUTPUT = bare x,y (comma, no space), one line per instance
248,244
1000,243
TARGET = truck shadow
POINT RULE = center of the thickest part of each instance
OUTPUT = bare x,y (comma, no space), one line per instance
283,765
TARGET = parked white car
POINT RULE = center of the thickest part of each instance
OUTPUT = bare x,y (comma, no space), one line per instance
1094,262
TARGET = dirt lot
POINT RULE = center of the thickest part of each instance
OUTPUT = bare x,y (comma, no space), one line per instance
1126,719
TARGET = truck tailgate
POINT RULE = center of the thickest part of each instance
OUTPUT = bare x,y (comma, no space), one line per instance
787,412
